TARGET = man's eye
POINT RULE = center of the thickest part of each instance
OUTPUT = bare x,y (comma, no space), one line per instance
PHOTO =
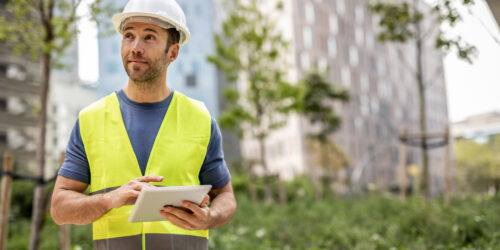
150,37
128,35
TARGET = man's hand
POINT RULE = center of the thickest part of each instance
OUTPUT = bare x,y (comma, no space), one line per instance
199,219
128,193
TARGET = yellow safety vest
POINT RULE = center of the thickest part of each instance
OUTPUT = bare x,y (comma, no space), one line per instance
177,154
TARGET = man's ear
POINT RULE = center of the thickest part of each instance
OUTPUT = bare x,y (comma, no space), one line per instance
173,52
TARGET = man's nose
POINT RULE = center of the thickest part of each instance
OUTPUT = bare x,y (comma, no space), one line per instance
137,47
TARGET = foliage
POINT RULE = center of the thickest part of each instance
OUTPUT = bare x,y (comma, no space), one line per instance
398,23
373,222
316,104
477,164
365,222
48,27
251,49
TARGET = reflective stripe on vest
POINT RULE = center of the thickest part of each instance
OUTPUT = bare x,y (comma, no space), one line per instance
177,155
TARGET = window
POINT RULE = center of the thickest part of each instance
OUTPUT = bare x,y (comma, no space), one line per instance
345,74
3,137
3,69
304,60
322,64
309,9
3,104
374,106
365,83
359,14
364,103
191,80
353,56
340,6
333,22
332,47
307,36
359,35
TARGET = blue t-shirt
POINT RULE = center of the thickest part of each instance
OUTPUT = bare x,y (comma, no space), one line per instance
142,121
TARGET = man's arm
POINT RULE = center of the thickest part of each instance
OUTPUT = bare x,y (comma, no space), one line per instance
71,206
220,212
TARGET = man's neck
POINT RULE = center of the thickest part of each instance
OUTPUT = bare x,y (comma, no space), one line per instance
147,92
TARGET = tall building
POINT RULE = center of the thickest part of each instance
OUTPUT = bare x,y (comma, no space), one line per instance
19,102
68,96
340,36
190,74
478,127
495,9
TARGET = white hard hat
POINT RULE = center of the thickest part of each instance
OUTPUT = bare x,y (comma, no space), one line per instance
167,11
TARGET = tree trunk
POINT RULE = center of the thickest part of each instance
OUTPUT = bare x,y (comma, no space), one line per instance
424,184
268,192
38,197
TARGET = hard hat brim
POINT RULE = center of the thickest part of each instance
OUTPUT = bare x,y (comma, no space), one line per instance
119,18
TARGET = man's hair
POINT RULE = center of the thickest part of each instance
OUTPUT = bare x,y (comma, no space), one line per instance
173,37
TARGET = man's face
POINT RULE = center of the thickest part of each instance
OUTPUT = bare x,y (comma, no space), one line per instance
144,51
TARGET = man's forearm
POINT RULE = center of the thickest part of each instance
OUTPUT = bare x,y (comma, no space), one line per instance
222,208
71,207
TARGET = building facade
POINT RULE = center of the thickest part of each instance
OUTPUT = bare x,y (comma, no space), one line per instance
19,102
478,127
339,37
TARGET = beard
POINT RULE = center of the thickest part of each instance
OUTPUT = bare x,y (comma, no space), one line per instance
154,68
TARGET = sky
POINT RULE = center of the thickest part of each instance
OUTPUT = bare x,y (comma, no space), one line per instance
471,88
474,89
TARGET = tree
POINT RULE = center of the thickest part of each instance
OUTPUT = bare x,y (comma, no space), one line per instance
251,49
401,22
316,105
43,29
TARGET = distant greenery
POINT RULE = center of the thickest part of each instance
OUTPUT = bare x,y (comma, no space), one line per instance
477,165
373,221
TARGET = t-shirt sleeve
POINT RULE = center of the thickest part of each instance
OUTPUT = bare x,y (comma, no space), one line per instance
214,170
76,164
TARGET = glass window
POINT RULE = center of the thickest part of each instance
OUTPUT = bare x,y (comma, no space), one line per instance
309,9
365,83
333,22
364,104
353,56
304,60
3,104
374,105
359,35
3,137
359,14
345,74
332,47
307,36
191,80
322,64
340,6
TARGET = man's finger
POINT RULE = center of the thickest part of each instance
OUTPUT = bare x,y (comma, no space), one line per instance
150,178
176,220
181,214
191,206
205,200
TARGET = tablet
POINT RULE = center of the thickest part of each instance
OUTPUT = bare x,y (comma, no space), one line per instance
152,199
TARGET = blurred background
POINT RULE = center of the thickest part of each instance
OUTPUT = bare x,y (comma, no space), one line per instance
347,124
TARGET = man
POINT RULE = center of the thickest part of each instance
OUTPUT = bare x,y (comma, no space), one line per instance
145,134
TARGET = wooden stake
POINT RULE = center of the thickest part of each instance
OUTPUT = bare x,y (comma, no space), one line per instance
403,182
447,174
5,199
